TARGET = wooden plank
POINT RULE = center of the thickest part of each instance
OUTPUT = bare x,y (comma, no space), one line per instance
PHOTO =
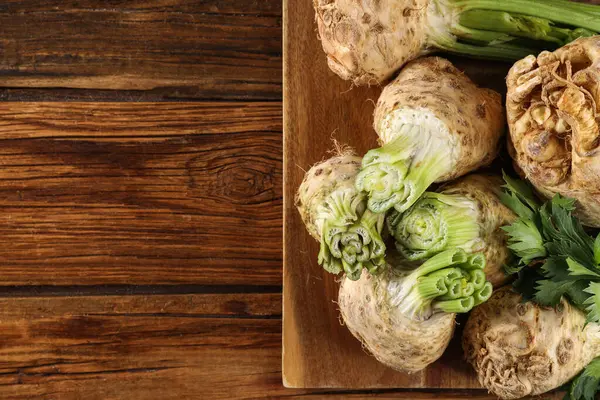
140,347
140,193
318,106
221,49
212,305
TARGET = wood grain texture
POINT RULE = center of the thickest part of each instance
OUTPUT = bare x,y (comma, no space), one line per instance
140,193
222,49
140,347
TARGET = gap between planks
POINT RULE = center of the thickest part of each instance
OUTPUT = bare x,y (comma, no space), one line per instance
160,95
133,290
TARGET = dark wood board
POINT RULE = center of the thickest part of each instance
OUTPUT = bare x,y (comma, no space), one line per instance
219,346
140,193
318,352
224,49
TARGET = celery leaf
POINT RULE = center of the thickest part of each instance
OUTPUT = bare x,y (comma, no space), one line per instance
586,385
597,250
593,302
552,234
525,240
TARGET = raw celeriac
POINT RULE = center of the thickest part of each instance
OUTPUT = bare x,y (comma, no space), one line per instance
404,316
367,41
552,109
521,349
465,214
336,215
435,125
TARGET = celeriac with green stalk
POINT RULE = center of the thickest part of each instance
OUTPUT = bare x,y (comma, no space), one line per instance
405,317
522,349
465,214
367,41
435,125
336,215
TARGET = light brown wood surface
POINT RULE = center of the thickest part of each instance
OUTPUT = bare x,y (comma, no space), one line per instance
319,352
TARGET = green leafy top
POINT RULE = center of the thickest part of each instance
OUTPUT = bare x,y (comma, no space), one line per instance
519,197
586,385
524,235
549,234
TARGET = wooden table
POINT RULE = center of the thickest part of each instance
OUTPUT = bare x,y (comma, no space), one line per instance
141,202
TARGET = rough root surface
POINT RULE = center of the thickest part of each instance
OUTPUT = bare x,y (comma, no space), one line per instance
395,340
319,182
552,108
474,116
483,190
520,349
366,41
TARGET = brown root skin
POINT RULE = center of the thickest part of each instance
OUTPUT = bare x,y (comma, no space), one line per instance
371,48
483,189
552,106
400,343
474,116
321,180
521,349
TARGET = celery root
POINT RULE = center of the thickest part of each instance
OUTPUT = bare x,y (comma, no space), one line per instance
405,317
552,108
367,41
435,125
521,349
465,214
335,214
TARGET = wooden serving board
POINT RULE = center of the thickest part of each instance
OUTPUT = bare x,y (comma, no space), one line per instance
318,352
